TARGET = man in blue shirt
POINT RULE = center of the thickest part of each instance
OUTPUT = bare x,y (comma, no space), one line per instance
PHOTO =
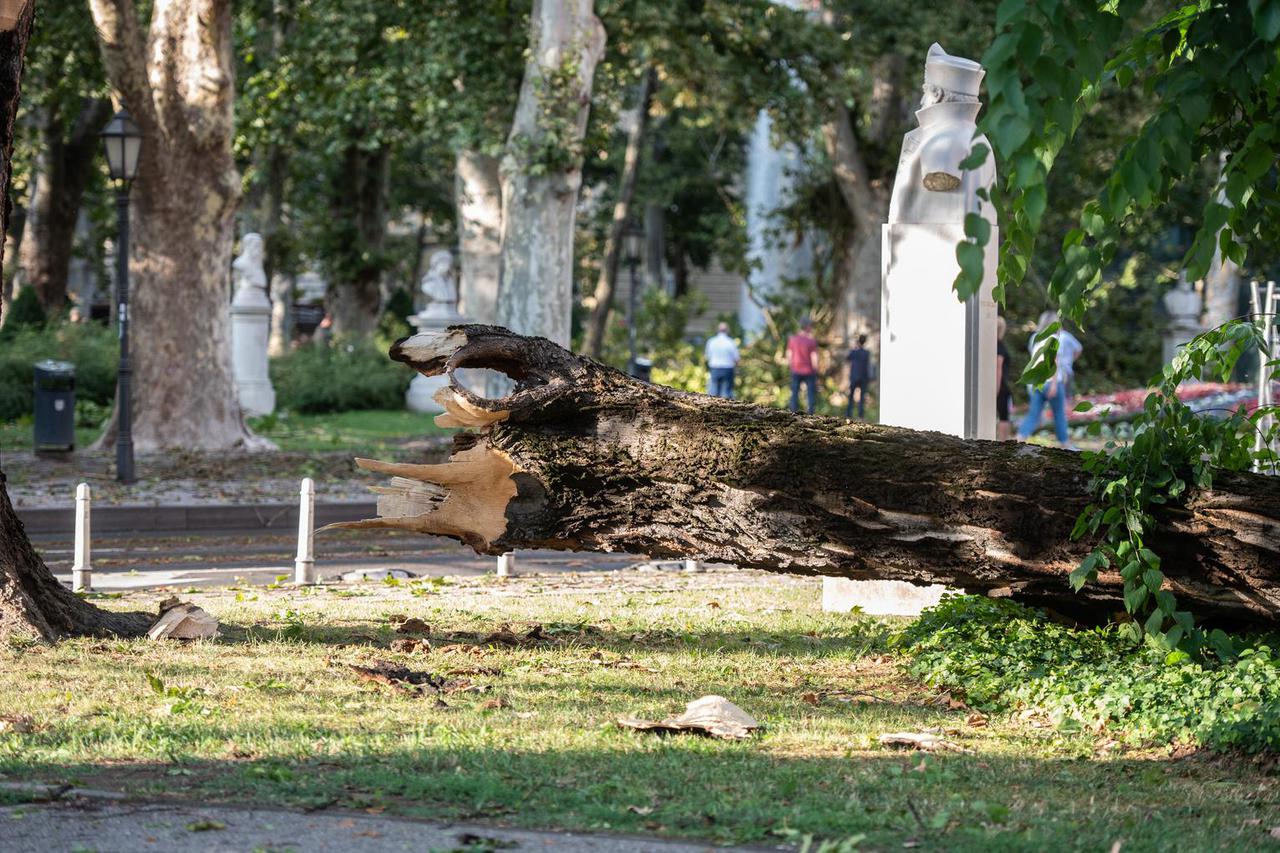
859,377
722,358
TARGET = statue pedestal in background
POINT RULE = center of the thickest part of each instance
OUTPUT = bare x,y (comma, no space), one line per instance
937,354
250,330
440,312
1183,305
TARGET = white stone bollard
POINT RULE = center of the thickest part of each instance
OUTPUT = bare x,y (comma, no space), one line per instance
81,570
507,564
304,566
692,566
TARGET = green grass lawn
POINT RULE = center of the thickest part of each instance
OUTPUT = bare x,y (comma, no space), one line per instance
364,431
272,712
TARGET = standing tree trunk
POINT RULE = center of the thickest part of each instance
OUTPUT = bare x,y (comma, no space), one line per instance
178,84
478,194
581,457
32,602
542,168
859,300
607,283
359,198
64,165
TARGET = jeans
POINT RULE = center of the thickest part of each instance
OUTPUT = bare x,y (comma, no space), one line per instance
721,384
810,381
1057,404
860,385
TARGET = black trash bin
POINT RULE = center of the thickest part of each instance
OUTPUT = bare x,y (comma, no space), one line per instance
642,369
55,392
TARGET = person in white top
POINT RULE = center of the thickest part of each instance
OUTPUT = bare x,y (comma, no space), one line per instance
722,358
1055,391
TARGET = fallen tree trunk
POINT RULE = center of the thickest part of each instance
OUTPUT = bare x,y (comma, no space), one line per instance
581,457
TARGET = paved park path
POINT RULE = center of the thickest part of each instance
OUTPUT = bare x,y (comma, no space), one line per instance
80,825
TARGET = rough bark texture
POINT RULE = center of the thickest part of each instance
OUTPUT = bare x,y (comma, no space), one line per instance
177,83
478,191
542,168
359,195
607,283
581,457
32,602
63,169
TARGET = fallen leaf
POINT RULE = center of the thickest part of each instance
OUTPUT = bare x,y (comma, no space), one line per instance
409,645
20,724
810,698
1275,832
978,721
495,703
919,740
413,626
640,810
205,825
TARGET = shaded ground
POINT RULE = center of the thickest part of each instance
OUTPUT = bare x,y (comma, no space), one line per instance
82,826
524,680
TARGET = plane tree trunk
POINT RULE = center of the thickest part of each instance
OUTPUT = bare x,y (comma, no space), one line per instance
32,602
581,457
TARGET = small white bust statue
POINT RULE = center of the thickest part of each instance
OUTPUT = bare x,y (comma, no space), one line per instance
1183,304
250,277
930,186
439,288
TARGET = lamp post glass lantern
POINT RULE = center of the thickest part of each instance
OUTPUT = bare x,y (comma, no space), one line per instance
123,142
632,242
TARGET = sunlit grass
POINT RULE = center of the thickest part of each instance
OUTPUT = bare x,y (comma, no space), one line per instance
272,712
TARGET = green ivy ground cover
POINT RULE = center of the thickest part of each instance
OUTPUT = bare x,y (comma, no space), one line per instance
1003,657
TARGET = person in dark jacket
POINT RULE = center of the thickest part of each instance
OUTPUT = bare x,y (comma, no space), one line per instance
859,377
1004,397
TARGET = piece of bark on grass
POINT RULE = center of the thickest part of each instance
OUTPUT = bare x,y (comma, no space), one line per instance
581,457
713,716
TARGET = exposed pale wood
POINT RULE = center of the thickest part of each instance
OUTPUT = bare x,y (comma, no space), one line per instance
588,459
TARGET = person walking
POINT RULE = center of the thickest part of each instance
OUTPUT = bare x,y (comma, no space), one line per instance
1055,391
802,350
722,359
1004,396
859,377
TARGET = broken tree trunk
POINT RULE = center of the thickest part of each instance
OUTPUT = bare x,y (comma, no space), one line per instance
581,457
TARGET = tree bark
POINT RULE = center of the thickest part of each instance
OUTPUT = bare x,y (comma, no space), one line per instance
32,602
542,168
65,164
607,283
478,194
178,84
360,192
581,457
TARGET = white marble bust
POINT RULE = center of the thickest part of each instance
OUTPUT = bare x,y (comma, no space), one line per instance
1183,304
250,277
439,287
930,186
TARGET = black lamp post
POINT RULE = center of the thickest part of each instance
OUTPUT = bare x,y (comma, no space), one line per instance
123,141
633,242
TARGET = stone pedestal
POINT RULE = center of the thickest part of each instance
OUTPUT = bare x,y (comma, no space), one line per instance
250,330
937,372
420,396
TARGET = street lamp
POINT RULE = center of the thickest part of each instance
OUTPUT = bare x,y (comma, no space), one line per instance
123,141
633,243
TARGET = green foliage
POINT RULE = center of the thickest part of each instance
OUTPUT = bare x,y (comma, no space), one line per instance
1211,74
1003,657
92,348
343,376
394,322
1173,451
25,312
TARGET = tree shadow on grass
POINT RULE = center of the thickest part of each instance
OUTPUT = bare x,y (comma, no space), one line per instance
736,792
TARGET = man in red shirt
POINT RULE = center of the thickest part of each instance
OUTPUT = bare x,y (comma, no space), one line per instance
802,350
